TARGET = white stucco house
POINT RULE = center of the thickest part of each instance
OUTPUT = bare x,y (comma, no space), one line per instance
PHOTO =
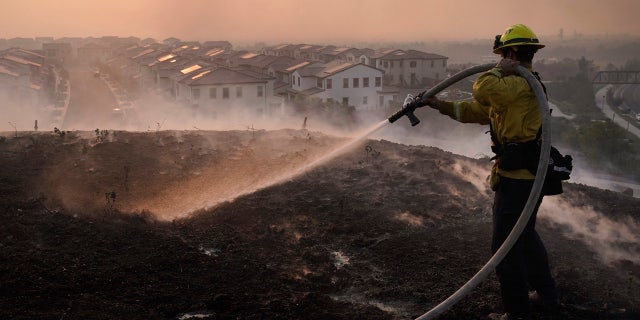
218,91
412,68
349,83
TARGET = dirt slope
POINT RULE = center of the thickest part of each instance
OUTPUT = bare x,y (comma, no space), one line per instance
178,225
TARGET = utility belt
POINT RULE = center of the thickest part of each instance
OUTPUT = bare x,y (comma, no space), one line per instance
515,156
526,155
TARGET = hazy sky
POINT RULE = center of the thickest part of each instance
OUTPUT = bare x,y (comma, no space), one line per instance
313,21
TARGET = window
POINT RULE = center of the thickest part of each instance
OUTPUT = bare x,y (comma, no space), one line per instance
385,64
260,91
345,82
213,93
365,100
378,81
319,83
363,60
195,92
413,64
298,81
365,82
225,93
329,83
356,82
239,92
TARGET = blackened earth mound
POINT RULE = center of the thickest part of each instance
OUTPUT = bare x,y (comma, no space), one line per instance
179,225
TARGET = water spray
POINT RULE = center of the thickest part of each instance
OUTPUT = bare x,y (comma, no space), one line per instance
409,106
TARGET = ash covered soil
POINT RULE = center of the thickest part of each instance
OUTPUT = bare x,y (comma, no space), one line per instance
226,225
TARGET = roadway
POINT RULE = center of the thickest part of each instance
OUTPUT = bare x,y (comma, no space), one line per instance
605,181
91,102
631,96
627,122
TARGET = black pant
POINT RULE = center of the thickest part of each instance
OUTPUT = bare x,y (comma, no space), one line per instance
526,264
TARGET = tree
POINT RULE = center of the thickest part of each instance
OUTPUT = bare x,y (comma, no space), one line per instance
632,65
587,67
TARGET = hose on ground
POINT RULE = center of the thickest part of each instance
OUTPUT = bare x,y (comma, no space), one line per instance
533,195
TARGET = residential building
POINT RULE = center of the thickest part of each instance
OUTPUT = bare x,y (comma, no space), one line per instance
93,53
25,80
351,84
57,52
217,91
225,45
170,69
411,68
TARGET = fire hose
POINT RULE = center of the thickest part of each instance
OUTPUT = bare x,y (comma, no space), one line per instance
409,106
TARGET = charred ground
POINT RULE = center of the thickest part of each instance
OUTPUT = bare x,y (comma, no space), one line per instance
92,228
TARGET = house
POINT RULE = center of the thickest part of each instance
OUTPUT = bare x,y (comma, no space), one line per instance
225,45
265,64
411,68
142,62
344,54
170,68
93,53
57,52
351,84
24,43
171,41
218,91
308,52
286,50
191,48
24,78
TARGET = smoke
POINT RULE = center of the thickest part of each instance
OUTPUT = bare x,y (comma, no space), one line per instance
153,112
599,177
20,117
473,173
612,240
437,130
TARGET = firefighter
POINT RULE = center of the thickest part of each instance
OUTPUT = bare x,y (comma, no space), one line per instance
506,103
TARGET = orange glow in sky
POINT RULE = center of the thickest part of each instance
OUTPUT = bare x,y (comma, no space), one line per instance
308,21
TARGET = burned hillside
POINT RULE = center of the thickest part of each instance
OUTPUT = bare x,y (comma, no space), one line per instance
238,225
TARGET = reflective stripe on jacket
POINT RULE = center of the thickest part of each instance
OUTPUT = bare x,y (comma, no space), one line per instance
509,104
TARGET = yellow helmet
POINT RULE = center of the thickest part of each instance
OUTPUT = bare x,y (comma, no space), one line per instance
516,35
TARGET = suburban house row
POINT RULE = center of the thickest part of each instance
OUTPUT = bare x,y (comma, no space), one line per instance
214,78
25,79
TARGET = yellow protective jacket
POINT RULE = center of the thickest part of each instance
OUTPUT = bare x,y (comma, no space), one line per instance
509,104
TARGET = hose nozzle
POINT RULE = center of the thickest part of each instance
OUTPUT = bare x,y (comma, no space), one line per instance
410,104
